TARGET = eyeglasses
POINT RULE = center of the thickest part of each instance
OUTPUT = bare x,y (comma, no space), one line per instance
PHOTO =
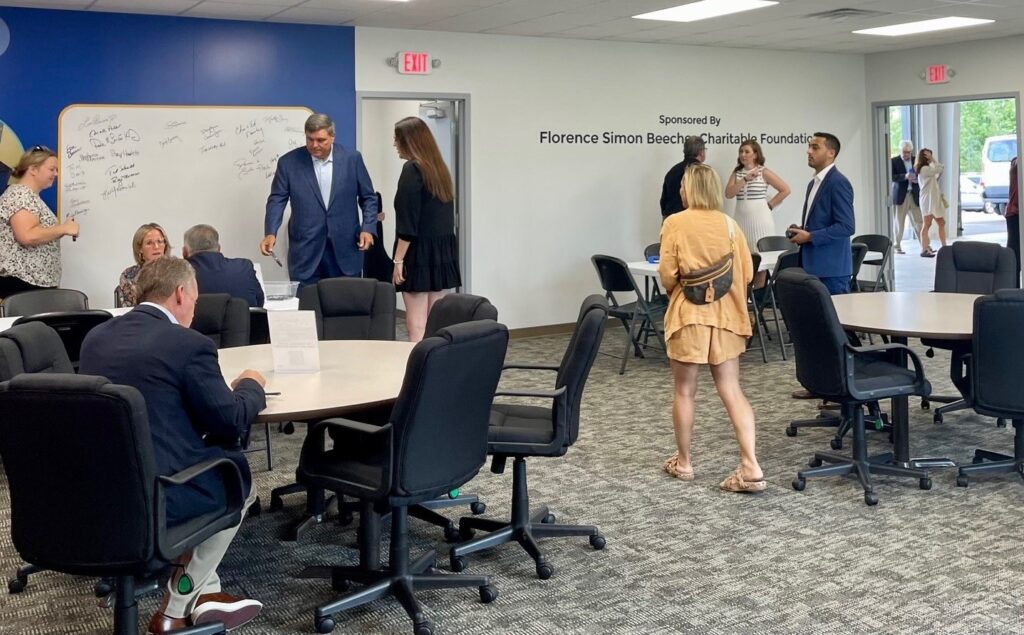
159,242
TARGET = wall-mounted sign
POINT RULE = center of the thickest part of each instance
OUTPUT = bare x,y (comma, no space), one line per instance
938,74
414,63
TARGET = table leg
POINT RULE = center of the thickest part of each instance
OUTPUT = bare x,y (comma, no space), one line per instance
901,418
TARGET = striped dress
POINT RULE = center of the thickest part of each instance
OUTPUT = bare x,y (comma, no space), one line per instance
752,213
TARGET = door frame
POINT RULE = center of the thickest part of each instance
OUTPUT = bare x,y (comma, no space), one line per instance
462,159
880,152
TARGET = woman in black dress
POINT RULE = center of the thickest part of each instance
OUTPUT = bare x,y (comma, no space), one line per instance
426,250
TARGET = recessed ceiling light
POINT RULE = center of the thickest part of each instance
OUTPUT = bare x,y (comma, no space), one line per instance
704,9
924,26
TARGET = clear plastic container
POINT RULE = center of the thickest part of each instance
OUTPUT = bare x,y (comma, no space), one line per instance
280,290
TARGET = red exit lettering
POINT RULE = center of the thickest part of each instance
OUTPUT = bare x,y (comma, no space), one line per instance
937,74
415,63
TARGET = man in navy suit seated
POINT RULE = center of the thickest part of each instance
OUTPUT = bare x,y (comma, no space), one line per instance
193,417
217,274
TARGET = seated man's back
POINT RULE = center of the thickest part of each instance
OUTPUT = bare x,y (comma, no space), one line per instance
235,276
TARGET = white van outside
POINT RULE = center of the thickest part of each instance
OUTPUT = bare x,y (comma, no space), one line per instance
996,155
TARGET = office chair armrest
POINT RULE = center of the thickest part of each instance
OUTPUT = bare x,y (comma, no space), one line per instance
540,394
529,367
233,489
919,377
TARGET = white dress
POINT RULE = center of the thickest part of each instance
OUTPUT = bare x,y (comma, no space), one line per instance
752,213
931,193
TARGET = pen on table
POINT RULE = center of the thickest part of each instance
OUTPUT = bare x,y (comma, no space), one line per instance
274,256
272,392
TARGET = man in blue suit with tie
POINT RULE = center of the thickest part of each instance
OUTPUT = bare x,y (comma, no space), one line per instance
322,181
828,222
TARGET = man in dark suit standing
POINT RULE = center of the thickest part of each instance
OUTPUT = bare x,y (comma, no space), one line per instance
322,181
193,416
217,274
905,193
671,201
828,221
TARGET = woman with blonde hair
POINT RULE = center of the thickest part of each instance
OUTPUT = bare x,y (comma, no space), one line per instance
29,232
705,268
426,249
149,243
933,204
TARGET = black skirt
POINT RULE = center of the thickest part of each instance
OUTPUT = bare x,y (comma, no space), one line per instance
432,264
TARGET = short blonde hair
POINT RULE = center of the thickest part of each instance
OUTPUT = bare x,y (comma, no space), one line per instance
140,235
702,188
159,278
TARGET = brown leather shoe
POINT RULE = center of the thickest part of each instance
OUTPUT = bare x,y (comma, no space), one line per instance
803,394
223,607
160,623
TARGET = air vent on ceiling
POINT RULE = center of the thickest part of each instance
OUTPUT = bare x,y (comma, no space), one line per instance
840,15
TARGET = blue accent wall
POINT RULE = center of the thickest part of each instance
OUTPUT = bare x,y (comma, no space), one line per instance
58,58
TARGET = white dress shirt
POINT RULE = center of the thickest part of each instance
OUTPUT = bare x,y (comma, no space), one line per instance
163,309
324,175
818,178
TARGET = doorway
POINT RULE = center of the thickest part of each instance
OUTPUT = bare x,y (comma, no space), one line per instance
447,116
961,133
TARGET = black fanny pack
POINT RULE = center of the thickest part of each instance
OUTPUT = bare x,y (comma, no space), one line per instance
710,284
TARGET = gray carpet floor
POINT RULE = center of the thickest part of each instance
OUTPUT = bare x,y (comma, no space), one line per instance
681,557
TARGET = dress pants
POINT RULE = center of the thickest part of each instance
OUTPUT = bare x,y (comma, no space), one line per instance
907,207
197,574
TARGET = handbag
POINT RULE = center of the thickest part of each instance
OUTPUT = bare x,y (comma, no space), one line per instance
943,201
707,285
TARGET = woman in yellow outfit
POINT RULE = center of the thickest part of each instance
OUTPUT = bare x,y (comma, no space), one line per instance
713,333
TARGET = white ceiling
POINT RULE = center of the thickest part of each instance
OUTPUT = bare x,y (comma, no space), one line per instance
785,26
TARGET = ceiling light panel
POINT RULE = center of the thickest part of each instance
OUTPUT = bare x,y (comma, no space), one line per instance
704,9
924,26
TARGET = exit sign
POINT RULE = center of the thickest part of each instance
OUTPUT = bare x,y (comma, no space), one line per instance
937,74
414,63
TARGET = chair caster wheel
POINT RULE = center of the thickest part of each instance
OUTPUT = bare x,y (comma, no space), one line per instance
925,483
340,584
256,508
488,593
870,499
452,534
937,418
276,504
1000,423
288,428
465,533
102,588
814,462
925,404
799,484
324,625
961,481
598,542
790,431
549,519
477,508
836,444
545,570
16,585
423,628
457,563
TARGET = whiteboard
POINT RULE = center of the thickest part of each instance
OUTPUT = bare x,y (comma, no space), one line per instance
122,166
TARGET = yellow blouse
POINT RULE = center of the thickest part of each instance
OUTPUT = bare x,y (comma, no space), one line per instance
695,239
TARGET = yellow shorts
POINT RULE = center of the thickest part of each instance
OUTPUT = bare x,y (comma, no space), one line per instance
700,344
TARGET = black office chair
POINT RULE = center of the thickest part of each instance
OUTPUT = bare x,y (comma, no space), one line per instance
71,327
100,512
259,328
442,411
773,243
351,308
43,301
638,316
967,267
457,308
521,431
223,319
879,244
828,366
995,365
30,348
765,296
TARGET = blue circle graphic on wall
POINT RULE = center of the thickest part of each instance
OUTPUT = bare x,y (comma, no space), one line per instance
5,36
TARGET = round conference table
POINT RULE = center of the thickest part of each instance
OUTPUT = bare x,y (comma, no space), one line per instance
901,315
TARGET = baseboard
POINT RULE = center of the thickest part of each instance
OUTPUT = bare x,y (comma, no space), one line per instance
541,331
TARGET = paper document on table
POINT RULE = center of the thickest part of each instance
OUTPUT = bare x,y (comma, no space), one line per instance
293,341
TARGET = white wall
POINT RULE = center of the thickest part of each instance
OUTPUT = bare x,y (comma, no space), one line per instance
538,212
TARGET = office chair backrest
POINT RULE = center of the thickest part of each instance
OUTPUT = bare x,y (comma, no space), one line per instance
773,243
818,339
787,260
442,413
456,308
997,360
351,308
615,277
32,348
71,327
975,267
223,319
44,301
577,361
81,473
654,249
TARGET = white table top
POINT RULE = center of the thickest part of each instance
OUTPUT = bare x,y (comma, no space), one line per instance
353,374
943,316
644,268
